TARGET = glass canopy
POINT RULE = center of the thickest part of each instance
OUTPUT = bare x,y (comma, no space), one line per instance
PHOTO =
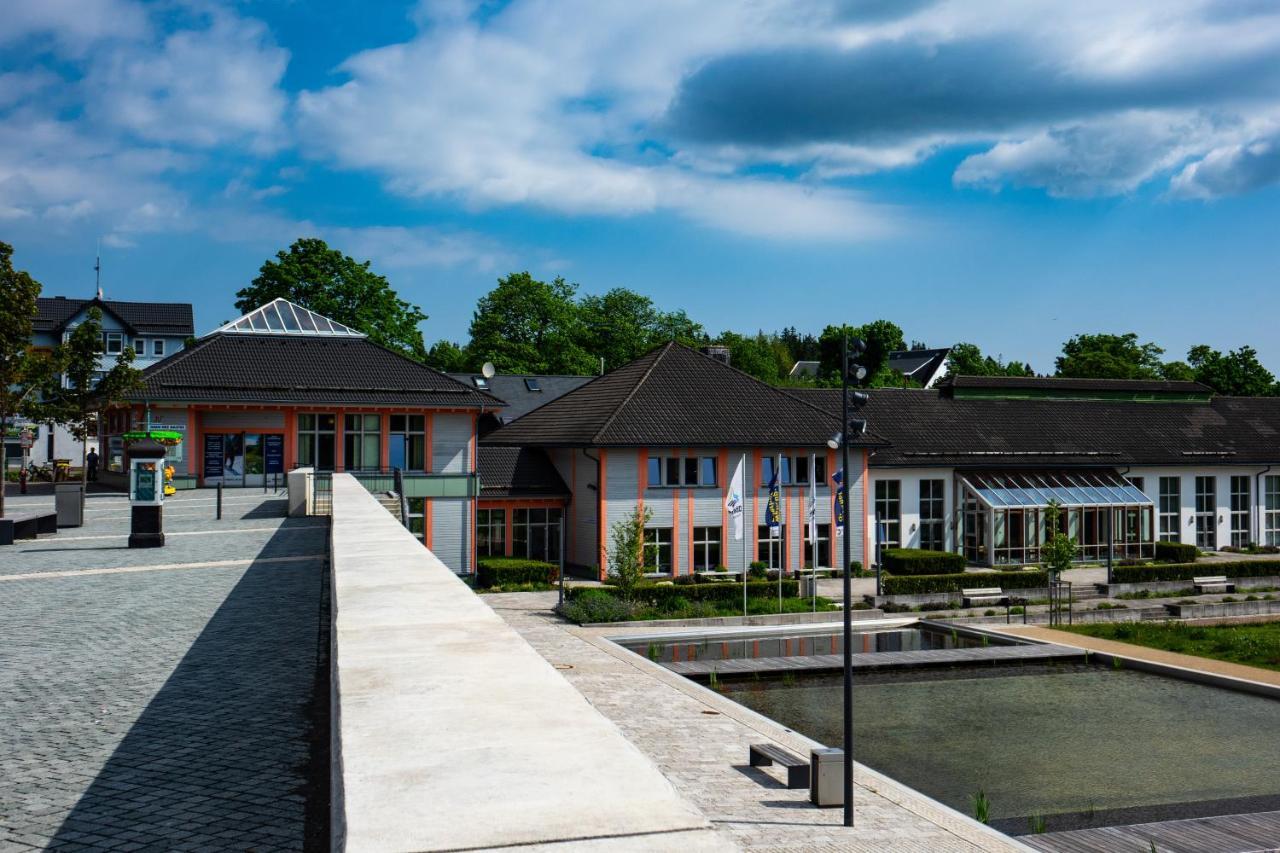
282,317
1031,489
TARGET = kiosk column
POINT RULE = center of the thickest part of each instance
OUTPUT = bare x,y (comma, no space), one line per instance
146,493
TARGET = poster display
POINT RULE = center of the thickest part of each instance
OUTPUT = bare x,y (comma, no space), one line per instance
274,453
212,456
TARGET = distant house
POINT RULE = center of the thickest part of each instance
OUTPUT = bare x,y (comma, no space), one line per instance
925,366
804,368
155,330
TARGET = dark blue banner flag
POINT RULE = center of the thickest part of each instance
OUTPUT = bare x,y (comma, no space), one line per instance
773,510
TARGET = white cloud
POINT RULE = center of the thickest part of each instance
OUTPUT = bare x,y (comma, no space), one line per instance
1231,169
73,25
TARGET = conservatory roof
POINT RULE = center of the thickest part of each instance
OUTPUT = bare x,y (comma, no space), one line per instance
282,317
1029,489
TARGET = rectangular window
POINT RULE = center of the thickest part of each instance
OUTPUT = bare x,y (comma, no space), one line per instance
657,549
889,512
316,441
157,347
535,534
824,547
1207,513
706,548
362,442
933,515
1170,509
673,471
418,517
771,549
114,342
407,434
1240,508
491,532
1271,510
708,475
140,346
767,464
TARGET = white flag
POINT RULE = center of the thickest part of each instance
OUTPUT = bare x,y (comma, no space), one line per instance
812,507
733,501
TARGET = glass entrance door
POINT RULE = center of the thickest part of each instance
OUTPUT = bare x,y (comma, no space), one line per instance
253,459
233,459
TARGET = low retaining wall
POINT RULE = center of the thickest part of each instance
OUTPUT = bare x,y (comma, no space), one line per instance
450,732
1111,590
1217,610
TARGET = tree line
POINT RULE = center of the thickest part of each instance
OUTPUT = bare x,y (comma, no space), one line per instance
525,325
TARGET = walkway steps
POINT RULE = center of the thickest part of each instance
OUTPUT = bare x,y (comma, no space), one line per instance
879,660
1241,833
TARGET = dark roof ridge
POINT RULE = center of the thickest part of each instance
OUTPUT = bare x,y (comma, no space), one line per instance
648,371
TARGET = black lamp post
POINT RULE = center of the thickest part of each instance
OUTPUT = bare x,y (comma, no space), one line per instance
851,368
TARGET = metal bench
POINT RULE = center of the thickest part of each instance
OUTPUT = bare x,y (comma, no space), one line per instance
1214,583
27,525
979,596
766,754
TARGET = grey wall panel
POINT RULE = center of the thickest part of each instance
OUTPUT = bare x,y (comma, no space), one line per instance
215,421
585,507
451,533
451,444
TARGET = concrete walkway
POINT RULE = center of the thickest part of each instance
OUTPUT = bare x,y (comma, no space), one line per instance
453,734
1143,653
699,739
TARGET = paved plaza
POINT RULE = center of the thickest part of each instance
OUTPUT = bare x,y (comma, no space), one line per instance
166,698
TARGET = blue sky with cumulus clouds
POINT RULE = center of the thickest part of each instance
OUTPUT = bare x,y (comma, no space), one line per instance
1007,172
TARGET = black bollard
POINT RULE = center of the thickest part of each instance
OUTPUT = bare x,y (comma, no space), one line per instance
219,501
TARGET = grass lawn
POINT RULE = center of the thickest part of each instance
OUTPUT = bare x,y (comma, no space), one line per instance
1252,645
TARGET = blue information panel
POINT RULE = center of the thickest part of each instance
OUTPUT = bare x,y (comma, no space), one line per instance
274,453
213,456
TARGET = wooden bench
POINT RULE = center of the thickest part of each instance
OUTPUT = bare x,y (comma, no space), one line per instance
1214,583
27,525
766,754
979,596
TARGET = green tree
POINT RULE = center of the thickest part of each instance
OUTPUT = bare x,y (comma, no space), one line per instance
84,394
621,325
881,337
1105,356
626,562
757,355
23,373
528,326
328,282
967,360
448,357
1236,374
1177,371
1059,552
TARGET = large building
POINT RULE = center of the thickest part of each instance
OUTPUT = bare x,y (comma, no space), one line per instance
968,466
155,330
284,388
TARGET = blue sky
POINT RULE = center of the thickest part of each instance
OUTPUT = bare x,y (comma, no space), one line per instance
996,171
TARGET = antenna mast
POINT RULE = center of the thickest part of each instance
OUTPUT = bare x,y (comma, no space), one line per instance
97,270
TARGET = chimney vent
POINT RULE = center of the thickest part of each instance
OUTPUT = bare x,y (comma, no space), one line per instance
720,354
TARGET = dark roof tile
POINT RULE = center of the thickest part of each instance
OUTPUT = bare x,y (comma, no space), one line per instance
509,472
141,318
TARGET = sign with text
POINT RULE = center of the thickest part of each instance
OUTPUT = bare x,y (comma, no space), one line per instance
213,456
274,453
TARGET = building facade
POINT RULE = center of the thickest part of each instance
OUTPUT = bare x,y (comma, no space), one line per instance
284,388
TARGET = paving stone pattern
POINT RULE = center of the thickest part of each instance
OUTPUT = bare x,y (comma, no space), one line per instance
702,748
168,709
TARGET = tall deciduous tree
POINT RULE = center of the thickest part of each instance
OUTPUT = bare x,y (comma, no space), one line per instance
1105,356
22,372
341,288
528,326
622,325
881,337
84,394
1238,373
967,360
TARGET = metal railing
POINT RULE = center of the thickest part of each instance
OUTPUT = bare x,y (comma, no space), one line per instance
403,484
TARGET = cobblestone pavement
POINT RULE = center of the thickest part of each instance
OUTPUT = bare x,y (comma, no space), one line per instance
699,740
166,704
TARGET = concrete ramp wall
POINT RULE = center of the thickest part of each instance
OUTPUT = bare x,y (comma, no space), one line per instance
451,733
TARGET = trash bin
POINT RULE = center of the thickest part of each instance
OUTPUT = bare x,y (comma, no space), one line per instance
69,501
808,586
826,777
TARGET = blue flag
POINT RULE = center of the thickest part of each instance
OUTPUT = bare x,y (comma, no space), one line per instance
838,479
773,510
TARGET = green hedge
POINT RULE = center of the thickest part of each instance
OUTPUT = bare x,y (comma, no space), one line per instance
724,593
916,561
921,584
1187,571
499,571
1176,552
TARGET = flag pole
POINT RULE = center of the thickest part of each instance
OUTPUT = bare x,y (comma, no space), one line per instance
812,510
742,512
781,532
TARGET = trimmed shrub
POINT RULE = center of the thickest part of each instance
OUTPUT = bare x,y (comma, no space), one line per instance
722,593
1187,571
916,561
758,570
595,605
922,584
500,571
1176,552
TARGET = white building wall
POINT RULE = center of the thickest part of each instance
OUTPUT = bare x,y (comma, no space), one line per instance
1187,481
909,480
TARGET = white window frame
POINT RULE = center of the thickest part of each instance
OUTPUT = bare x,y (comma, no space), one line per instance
108,338
1170,516
157,347
1271,510
664,480
656,540
1239,507
703,539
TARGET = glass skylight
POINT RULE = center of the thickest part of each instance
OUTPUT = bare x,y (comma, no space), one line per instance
1023,489
282,317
